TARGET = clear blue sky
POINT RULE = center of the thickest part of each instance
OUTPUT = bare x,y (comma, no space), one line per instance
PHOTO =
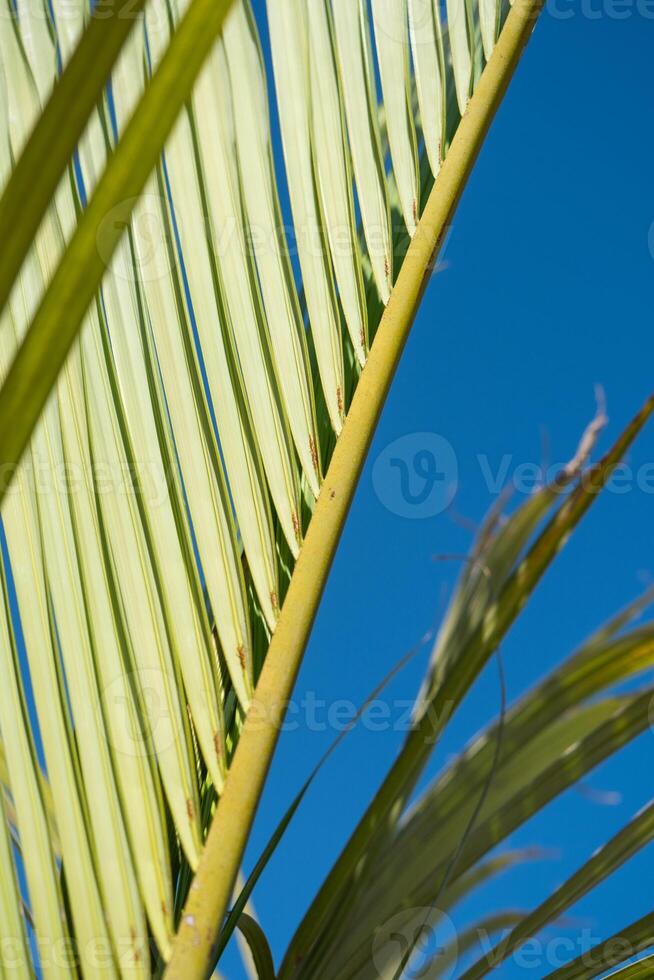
548,289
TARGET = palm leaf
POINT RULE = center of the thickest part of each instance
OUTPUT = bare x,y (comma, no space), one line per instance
258,946
201,409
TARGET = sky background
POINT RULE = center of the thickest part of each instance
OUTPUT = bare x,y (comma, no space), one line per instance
547,289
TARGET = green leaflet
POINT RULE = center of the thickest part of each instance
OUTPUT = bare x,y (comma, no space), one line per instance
258,945
632,939
392,39
429,64
33,822
355,60
247,334
334,176
24,538
460,33
288,23
489,22
160,685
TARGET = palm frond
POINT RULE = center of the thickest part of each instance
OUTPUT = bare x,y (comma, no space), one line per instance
199,407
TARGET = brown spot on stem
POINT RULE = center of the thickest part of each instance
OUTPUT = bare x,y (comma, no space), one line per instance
296,526
190,810
339,399
274,598
240,653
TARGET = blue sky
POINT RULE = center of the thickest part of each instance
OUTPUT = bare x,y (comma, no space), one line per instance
547,289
